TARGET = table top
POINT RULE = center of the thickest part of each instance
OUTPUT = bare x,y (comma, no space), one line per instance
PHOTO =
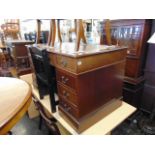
16,42
69,49
14,94
102,127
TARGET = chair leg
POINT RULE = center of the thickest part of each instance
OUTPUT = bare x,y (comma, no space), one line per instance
40,122
41,96
40,89
52,99
53,129
40,92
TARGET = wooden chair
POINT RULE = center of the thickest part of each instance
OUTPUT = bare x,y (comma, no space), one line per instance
106,38
79,30
49,121
11,29
45,74
20,57
3,66
2,59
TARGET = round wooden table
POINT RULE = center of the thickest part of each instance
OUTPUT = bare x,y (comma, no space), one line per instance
15,98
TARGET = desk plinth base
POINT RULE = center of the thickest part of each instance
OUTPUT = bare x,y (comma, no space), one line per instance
92,118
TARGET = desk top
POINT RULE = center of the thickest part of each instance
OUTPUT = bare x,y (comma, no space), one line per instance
102,127
69,49
14,94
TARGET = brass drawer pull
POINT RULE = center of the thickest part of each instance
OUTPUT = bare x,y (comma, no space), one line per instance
63,63
68,108
65,94
65,105
63,79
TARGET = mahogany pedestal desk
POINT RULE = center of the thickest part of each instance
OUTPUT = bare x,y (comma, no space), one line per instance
15,98
102,127
87,80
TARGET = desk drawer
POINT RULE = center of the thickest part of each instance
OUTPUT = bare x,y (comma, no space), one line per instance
67,94
66,63
68,108
66,79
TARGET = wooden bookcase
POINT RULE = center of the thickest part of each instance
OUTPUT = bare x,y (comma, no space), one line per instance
134,34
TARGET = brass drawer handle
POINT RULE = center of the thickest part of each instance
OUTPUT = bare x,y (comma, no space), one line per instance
65,105
65,94
64,80
68,108
63,63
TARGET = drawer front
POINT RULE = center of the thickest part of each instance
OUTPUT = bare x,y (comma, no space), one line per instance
66,63
68,108
100,60
67,94
66,79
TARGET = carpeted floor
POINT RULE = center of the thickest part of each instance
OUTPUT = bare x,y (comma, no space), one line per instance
30,127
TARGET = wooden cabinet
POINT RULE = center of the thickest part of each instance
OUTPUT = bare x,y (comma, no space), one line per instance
87,79
134,34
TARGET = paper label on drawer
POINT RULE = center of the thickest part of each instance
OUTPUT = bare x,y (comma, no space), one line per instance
79,63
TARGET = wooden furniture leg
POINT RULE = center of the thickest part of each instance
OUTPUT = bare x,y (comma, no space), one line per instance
107,31
38,31
59,32
79,33
50,34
